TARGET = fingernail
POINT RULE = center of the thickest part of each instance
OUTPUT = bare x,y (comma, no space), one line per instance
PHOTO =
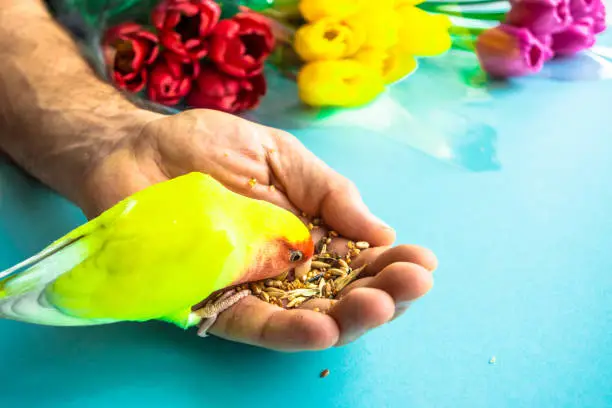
351,337
404,305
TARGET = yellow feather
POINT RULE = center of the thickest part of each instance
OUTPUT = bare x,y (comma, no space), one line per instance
161,251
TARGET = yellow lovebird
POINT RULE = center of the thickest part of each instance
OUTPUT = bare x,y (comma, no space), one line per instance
156,255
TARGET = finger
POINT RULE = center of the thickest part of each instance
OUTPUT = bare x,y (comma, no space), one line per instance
318,190
258,323
272,195
361,310
403,281
368,257
377,260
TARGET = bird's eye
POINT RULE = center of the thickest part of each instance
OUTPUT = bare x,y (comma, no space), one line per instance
295,256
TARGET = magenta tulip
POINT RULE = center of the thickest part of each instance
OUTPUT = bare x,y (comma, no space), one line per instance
599,17
540,16
577,37
507,51
582,8
546,41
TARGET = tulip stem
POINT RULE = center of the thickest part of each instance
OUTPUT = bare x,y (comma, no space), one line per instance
462,46
461,31
464,43
492,16
458,3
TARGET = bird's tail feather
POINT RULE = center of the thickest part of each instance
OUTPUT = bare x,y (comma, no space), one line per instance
22,286
43,267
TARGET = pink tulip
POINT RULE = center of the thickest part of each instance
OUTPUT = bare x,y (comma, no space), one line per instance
599,17
577,37
507,51
546,41
582,8
539,16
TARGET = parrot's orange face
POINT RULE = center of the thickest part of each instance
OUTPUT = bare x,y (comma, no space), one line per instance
279,256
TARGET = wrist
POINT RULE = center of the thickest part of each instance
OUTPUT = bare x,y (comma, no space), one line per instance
91,174
70,145
125,161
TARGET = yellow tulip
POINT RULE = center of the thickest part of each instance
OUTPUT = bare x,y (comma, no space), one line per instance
328,38
339,83
375,58
313,10
398,64
381,24
423,34
400,3
392,64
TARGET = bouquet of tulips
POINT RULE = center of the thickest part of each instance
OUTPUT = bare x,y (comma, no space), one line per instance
527,35
345,52
189,54
216,54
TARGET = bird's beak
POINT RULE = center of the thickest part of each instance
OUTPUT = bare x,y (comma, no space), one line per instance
303,269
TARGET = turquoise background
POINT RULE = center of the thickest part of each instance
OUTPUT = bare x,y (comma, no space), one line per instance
510,184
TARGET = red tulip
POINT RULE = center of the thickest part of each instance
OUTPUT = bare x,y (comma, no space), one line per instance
129,50
214,89
170,79
240,45
183,25
182,66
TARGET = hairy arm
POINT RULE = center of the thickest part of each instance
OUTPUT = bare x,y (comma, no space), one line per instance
57,118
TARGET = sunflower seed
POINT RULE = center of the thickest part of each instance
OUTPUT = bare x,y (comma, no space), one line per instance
362,245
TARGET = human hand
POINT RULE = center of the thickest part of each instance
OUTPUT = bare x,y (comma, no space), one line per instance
235,152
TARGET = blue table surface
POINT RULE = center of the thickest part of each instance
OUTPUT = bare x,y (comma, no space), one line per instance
509,184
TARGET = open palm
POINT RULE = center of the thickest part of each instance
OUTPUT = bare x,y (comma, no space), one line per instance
269,164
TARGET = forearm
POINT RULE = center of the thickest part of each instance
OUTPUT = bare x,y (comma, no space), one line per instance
57,119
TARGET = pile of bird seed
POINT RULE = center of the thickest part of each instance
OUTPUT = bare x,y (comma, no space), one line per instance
329,274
